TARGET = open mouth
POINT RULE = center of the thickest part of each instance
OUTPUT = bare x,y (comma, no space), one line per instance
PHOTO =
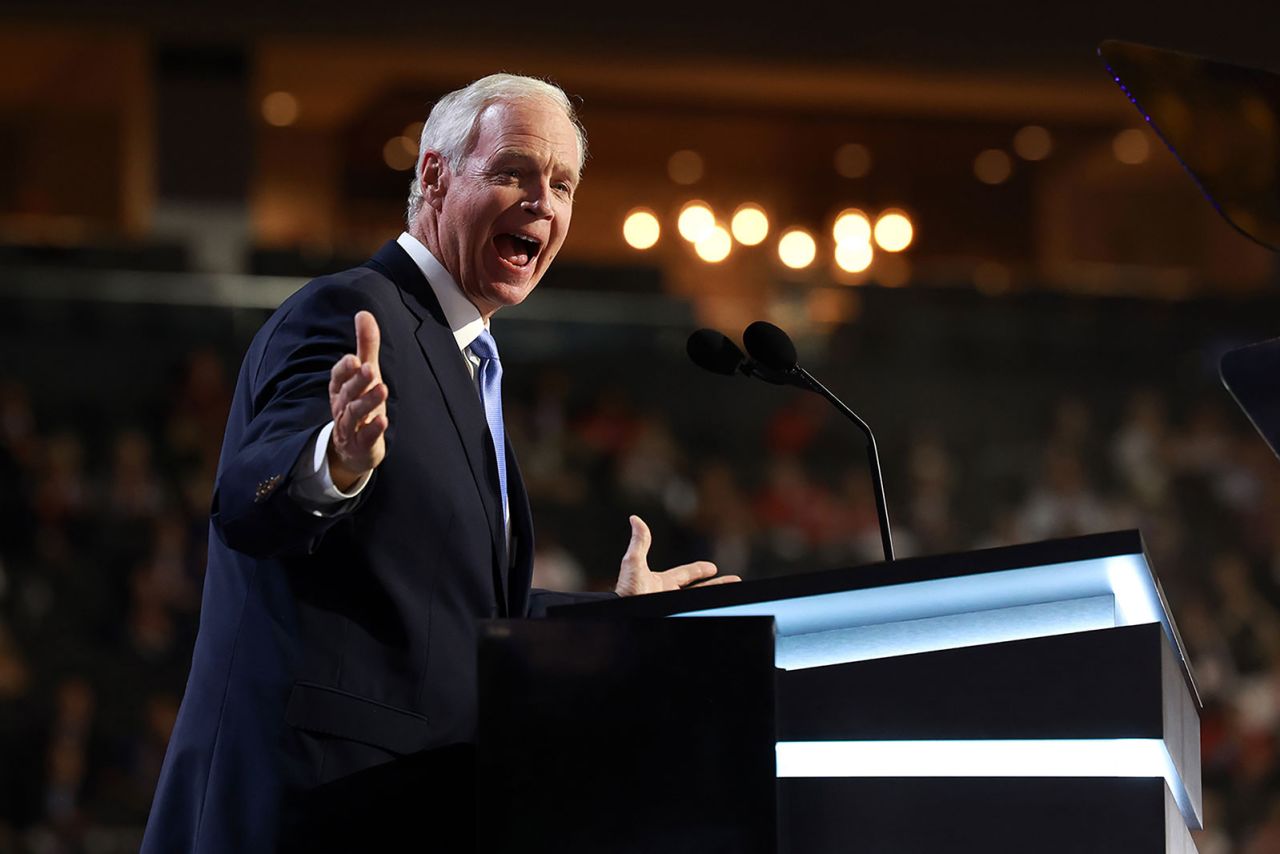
518,250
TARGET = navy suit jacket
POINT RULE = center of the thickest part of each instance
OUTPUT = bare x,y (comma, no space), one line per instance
329,644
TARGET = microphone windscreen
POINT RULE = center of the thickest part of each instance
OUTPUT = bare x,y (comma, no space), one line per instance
770,346
714,352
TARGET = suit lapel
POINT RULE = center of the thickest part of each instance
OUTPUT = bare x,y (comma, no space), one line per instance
521,563
440,349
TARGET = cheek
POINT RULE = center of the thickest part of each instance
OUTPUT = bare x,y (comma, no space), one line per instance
481,241
563,218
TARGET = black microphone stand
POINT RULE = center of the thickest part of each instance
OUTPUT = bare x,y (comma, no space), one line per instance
775,362
807,380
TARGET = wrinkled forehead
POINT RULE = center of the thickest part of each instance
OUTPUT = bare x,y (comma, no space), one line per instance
525,123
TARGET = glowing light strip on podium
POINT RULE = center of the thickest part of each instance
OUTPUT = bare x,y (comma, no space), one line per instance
1118,757
959,611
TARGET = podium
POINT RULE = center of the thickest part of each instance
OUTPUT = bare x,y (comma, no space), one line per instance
1028,698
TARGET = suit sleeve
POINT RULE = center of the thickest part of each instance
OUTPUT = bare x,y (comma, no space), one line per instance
254,509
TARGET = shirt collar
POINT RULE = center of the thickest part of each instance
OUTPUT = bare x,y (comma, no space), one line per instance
463,318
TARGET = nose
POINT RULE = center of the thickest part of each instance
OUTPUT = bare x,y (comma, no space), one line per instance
539,202
537,206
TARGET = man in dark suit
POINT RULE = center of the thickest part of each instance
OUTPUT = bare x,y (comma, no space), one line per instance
368,511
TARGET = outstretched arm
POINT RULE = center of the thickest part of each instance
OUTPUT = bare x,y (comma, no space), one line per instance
301,377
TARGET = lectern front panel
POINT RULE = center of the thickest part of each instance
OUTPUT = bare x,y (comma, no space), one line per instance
627,736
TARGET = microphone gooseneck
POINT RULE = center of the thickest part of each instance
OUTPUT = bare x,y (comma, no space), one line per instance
773,348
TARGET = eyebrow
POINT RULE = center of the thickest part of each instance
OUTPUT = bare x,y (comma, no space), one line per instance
527,155
514,152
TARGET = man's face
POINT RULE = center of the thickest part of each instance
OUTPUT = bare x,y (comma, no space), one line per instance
502,217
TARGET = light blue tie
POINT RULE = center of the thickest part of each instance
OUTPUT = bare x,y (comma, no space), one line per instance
486,349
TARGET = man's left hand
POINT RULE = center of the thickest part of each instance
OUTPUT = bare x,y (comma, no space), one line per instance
636,579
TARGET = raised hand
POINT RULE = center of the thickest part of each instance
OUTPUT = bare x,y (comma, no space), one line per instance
358,403
635,578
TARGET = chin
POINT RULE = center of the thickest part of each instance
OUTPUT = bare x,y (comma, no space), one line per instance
510,293
515,296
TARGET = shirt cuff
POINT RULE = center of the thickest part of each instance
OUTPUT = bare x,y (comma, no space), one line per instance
313,483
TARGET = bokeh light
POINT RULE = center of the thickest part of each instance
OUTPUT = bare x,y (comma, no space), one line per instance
1033,143
854,256
641,229
696,221
685,167
852,225
413,130
894,231
1131,146
715,247
280,109
750,224
400,153
992,166
797,248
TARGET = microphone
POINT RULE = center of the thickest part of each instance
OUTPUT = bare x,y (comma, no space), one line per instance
770,346
773,349
715,352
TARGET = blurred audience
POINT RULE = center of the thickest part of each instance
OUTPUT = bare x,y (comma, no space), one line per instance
103,532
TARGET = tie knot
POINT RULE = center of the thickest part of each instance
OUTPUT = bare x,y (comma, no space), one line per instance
484,346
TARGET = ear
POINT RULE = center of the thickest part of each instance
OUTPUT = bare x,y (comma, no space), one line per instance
434,179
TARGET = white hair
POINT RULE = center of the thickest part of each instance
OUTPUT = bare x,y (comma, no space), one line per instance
453,125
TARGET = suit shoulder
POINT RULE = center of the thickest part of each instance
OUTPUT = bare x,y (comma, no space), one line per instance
321,310
363,287
335,296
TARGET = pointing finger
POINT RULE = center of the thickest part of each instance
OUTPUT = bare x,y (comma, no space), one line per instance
368,338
